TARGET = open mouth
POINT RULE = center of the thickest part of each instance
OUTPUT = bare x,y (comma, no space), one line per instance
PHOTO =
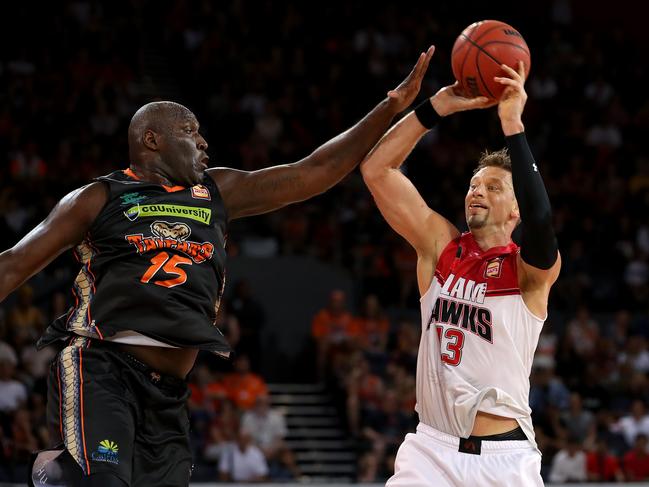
477,205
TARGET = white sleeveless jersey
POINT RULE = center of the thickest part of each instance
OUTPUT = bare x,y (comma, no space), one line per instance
478,340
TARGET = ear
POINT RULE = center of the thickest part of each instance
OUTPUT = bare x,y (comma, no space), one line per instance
150,140
515,213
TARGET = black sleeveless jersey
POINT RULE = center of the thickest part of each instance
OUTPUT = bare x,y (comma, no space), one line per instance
154,263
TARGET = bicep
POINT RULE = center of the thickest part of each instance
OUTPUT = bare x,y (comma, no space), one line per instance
408,214
247,193
64,227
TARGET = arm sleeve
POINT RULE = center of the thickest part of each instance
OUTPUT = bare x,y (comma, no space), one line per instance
538,241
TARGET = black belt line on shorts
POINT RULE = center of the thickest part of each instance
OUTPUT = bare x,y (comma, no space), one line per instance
154,376
473,444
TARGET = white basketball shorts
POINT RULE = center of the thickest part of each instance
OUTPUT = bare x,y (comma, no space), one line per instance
430,457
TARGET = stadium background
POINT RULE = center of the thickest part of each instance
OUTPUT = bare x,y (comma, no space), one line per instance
269,82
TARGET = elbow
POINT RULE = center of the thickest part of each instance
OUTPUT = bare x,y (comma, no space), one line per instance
369,171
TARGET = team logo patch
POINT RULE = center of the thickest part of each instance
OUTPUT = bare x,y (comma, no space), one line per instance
131,199
107,451
494,267
174,236
177,230
200,192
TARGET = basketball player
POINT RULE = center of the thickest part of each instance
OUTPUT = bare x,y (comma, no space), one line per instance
483,301
150,240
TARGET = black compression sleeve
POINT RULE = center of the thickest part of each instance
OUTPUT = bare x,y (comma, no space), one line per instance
538,241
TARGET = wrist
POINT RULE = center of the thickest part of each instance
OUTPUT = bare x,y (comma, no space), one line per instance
439,106
512,127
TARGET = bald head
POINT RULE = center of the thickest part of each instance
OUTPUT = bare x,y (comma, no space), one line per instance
158,116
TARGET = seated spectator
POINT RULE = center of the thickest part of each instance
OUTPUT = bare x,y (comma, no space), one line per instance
636,461
364,393
602,465
13,394
386,427
578,423
25,317
569,464
635,423
267,427
243,461
332,328
373,329
243,387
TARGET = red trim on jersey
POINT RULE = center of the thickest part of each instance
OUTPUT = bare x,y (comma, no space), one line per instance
168,189
472,262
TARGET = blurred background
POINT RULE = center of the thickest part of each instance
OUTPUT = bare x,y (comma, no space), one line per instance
321,304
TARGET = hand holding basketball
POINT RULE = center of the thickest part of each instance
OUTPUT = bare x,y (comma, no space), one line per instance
512,100
450,99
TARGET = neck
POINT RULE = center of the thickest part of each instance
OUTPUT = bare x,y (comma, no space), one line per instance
487,238
150,173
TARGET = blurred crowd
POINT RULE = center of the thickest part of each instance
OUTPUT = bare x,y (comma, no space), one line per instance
269,83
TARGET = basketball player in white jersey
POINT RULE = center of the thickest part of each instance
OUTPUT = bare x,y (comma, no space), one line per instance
483,301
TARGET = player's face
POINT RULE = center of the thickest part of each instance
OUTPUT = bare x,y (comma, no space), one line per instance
184,153
490,199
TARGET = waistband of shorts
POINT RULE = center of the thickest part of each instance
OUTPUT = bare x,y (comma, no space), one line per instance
155,377
488,445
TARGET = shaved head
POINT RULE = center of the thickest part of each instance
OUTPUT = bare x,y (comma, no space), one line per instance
159,116
165,145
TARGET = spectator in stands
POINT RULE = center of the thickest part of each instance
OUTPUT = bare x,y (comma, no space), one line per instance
332,328
636,461
364,391
602,465
243,461
24,317
578,423
569,464
13,394
634,424
267,427
373,329
384,428
243,387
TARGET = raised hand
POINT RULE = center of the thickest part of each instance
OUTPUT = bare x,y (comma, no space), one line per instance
450,100
512,101
404,94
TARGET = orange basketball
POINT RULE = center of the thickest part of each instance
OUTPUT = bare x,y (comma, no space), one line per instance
478,53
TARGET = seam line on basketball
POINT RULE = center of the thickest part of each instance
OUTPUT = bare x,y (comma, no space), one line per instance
480,48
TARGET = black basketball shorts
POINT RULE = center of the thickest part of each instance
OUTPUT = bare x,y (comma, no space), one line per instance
114,414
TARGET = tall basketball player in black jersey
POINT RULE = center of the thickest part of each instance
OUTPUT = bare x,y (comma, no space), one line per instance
151,240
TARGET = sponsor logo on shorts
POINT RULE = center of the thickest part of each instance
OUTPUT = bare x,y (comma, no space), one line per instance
200,192
196,213
131,198
107,451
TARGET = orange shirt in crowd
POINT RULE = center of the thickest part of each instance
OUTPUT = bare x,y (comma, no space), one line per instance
244,389
336,327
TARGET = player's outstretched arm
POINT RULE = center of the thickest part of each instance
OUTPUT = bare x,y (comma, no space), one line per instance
251,193
64,227
396,197
539,260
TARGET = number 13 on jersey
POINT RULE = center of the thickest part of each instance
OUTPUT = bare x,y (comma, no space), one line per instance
451,342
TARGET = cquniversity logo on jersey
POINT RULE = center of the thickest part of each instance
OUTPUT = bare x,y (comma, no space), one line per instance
196,213
107,451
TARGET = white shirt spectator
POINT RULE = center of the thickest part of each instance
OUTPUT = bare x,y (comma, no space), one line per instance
266,428
568,467
243,466
12,395
630,427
